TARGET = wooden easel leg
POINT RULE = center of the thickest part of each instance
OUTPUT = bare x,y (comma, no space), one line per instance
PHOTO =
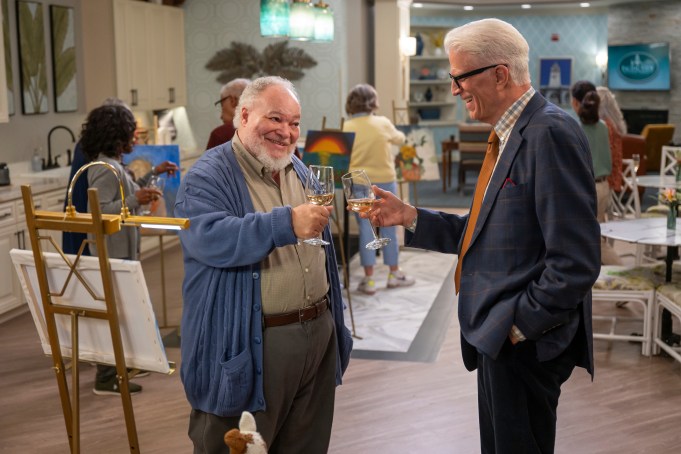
346,274
75,388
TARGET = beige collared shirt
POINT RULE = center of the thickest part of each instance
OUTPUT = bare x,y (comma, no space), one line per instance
292,276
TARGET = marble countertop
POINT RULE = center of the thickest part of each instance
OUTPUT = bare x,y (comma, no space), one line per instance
40,182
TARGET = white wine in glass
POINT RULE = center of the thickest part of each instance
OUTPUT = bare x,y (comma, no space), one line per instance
319,189
361,198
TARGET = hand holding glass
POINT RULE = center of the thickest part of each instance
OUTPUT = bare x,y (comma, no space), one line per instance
157,183
319,190
361,198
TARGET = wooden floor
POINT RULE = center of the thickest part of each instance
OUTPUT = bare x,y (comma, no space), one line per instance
633,405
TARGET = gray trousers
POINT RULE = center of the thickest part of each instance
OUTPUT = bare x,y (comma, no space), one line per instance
299,371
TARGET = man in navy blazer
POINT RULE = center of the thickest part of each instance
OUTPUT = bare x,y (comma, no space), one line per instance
526,276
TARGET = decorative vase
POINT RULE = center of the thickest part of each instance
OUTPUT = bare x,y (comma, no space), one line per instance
671,216
419,44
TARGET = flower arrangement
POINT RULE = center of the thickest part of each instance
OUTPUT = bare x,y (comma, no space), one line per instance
671,198
408,164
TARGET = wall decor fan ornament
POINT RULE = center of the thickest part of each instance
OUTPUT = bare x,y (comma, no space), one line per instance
244,60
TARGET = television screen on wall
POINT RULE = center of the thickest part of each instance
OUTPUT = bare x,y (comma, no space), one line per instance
639,67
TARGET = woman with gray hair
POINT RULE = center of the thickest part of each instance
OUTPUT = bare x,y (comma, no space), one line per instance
374,136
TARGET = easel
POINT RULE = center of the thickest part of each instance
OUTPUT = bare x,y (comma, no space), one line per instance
343,239
98,225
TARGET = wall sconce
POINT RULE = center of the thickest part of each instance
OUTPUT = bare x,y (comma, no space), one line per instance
407,46
127,219
296,19
602,63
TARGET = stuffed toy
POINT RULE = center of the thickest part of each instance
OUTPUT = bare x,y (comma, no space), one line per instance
245,439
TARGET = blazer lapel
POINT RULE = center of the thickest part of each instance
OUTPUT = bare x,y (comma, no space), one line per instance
504,165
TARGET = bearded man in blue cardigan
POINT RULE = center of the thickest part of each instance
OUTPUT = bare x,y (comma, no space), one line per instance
262,325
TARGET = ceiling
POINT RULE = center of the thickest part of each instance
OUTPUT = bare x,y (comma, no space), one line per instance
486,4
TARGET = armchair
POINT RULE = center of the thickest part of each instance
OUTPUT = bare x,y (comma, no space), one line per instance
656,135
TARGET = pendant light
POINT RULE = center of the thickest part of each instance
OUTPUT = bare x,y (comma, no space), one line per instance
323,23
274,18
302,20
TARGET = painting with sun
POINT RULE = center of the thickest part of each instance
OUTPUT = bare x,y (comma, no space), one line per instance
329,148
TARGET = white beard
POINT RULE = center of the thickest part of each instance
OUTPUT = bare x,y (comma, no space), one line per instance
271,164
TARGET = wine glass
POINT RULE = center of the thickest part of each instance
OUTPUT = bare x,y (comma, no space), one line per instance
637,161
155,182
319,190
361,198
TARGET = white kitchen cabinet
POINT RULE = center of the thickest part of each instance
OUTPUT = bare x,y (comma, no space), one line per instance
137,56
11,295
149,49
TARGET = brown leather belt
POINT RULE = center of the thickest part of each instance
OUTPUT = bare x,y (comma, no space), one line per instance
302,315
601,179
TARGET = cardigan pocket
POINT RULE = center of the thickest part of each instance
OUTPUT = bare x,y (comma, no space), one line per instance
236,383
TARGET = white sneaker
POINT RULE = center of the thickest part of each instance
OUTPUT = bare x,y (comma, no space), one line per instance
368,285
399,279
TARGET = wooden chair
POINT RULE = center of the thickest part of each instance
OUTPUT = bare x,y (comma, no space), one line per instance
472,148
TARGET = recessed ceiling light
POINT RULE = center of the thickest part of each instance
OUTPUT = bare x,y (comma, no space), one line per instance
468,8
526,6
585,5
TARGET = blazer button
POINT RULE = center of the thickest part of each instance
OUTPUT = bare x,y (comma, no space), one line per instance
256,275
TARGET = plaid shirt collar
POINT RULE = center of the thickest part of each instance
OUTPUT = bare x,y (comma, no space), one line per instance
505,124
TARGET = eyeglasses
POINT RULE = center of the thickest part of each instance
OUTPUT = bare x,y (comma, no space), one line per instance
219,102
463,76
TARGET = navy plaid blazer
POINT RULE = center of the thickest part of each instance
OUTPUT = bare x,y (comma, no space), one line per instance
535,251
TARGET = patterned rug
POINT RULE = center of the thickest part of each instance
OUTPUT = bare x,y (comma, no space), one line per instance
403,323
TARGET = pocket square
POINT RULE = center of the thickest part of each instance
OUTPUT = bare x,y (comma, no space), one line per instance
508,183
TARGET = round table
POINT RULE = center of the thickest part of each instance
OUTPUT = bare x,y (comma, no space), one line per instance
658,181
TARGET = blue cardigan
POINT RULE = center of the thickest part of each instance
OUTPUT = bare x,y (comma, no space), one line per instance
222,356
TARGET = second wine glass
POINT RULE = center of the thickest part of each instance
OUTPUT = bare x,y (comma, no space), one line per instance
361,198
319,190
157,183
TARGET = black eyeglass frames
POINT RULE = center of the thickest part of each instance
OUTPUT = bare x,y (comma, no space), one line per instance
219,101
456,79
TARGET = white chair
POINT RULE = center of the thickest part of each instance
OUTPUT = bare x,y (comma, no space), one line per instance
634,285
668,160
626,203
668,296
622,284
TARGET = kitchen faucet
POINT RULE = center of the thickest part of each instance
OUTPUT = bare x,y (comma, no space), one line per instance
50,164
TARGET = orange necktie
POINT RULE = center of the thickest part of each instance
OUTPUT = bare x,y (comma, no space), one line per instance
483,180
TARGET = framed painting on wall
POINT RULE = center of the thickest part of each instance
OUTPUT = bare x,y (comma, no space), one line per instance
555,78
63,59
30,24
9,77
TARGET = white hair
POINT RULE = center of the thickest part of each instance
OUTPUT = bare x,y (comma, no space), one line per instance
493,41
253,91
611,110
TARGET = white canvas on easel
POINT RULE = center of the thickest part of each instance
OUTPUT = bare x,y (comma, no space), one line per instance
141,339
